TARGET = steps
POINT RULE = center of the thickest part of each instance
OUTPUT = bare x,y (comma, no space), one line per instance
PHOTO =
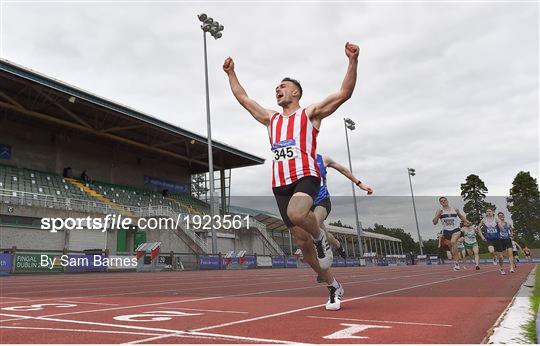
91,192
184,206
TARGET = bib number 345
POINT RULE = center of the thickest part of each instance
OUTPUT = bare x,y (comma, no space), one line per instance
282,154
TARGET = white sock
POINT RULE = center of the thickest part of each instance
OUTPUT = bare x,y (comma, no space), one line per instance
334,283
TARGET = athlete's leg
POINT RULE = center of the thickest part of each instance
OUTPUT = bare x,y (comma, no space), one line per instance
320,214
511,259
453,245
300,214
476,255
305,242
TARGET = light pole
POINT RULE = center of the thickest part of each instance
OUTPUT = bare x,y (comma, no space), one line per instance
349,124
412,172
214,28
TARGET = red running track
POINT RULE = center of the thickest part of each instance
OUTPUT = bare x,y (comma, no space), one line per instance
413,304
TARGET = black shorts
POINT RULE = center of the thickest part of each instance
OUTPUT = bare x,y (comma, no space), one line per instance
309,185
514,253
326,204
492,242
502,245
448,234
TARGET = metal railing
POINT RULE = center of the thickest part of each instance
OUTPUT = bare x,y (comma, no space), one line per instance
73,204
261,227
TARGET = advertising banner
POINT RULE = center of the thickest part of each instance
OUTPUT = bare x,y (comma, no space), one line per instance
30,263
209,262
5,262
292,262
278,262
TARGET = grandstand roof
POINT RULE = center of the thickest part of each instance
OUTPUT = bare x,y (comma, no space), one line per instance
51,101
275,223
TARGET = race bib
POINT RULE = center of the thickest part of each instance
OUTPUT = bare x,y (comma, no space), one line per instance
284,150
491,230
448,222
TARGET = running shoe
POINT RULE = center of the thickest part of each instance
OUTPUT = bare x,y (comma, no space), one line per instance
341,251
495,262
477,267
334,298
502,272
512,270
456,267
324,252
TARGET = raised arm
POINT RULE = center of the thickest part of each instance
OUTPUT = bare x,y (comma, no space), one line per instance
461,215
261,114
321,110
437,216
329,162
479,232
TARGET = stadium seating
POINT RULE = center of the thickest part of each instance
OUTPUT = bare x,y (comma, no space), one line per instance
38,183
15,182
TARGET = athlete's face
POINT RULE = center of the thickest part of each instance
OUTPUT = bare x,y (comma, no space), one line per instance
501,217
444,202
489,213
285,93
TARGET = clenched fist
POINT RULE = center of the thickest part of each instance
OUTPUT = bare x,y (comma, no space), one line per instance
351,51
228,65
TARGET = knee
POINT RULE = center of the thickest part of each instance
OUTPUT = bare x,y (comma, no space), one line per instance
297,217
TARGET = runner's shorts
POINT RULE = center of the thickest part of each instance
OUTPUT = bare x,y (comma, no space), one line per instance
309,185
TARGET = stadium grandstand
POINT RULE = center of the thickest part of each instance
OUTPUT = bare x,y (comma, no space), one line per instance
65,152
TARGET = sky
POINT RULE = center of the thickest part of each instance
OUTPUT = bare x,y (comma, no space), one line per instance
449,88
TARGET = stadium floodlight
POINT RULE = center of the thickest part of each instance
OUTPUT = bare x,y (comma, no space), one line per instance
411,173
350,125
215,29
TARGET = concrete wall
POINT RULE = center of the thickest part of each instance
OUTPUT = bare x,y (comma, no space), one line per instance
42,148
31,239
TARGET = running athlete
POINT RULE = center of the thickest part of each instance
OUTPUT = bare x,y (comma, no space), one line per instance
440,239
462,253
515,247
322,204
488,226
527,253
450,218
296,177
505,241
471,245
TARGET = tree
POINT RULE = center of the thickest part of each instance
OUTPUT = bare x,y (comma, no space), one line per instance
339,224
524,205
408,243
474,192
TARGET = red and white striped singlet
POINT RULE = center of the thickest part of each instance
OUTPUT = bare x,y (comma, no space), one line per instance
294,142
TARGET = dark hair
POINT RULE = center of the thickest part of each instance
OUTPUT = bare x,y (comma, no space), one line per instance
295,82
442,198
499,213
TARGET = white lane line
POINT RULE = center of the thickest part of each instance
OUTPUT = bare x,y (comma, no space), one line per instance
155,335
345,300
79,330
381,321
154,338
87,303
224,311
162,330
219,297
109,281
